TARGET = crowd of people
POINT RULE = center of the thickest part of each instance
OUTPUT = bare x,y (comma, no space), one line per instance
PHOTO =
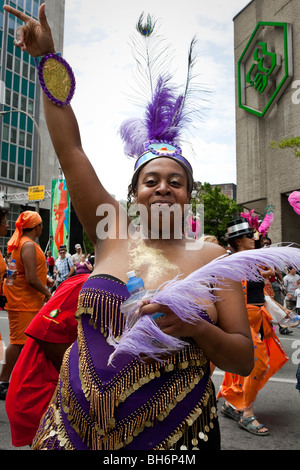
66,265
62,392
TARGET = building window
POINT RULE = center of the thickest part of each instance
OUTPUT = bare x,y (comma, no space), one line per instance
7,96
15,100
9,61
13,135
11,26
20,173
32,74
30,107
29,141
12,171
5,133
22,138
25,70
17,65
27,175
4,169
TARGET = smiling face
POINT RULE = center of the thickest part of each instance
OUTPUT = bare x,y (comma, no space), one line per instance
162,183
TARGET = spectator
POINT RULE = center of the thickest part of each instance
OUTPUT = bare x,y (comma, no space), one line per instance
83,266
68,255
290,284
77,255
51,262
63,267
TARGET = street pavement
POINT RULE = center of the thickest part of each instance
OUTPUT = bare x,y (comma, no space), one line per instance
277,407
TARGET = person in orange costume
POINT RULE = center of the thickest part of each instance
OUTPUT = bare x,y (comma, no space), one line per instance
36,372
239,392
29,292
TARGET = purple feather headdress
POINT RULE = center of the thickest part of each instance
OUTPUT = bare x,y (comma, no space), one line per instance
167,111
189,296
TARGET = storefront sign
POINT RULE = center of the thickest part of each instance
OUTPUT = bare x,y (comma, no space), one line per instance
265,67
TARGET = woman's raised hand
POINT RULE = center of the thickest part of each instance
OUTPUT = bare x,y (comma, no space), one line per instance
35,37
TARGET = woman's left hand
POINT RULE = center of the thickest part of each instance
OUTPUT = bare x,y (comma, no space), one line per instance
168,322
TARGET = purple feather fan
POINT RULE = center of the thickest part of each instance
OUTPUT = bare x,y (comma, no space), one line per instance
188,296
145,339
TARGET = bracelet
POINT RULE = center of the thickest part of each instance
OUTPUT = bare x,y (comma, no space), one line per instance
56,78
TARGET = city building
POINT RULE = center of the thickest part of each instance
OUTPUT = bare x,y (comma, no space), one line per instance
27,157
228,189
267,73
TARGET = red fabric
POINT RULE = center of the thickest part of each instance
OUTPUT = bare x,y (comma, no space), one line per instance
34,377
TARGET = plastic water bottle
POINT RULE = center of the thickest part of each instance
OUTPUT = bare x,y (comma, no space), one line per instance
293,320
12,268
137,291
135,285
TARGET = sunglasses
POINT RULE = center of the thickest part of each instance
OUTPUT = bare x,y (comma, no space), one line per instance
249,235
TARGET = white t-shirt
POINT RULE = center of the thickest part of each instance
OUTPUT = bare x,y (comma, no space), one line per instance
297,295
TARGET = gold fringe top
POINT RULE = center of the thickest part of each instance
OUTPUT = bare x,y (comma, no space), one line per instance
101,423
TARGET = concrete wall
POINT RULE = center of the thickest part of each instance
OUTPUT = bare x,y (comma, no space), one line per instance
266,176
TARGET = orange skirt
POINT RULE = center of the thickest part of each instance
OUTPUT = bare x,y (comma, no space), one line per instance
269,357
18,323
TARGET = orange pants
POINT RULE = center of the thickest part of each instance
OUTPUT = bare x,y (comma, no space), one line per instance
18,323
269,357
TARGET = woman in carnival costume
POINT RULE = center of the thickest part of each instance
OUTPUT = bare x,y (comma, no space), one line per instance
240,392
134,403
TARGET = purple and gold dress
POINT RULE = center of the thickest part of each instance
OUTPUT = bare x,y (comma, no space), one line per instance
129,405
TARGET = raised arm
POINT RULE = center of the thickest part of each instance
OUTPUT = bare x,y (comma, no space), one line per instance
35,37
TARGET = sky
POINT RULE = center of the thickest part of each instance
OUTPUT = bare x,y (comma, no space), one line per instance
97,45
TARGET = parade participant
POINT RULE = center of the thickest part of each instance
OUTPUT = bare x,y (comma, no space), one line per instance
3,271
134,404
3,232
239,392
35,375
27,294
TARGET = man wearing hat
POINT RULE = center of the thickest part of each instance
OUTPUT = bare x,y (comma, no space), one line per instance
77,255
240,392
240,233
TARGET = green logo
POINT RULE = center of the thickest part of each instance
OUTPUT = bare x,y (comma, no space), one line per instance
265,67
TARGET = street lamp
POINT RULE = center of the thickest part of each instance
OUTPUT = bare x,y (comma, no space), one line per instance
2,113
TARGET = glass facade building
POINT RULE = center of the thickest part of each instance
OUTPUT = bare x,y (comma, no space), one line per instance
18,91
27,157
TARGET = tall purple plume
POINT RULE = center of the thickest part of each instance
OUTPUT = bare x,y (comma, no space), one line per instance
167,111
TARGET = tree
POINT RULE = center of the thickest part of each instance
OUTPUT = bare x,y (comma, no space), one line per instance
218,210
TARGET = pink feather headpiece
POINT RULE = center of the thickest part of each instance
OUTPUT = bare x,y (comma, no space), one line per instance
263,227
